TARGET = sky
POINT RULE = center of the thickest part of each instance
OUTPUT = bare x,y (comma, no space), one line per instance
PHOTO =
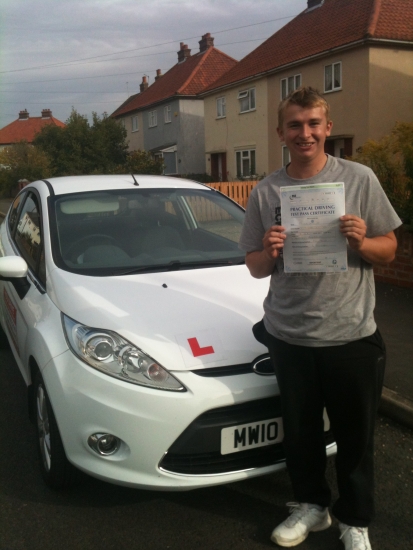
90,55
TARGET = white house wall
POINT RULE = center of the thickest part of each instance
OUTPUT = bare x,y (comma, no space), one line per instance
238,131
134,138
191,142
163,134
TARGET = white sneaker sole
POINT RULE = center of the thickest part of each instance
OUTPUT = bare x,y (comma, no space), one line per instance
288,543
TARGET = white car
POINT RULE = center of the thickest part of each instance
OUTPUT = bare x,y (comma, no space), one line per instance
129,311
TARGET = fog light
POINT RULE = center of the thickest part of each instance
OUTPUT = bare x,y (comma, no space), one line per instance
104,444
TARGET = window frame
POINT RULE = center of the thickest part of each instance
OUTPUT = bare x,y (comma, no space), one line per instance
39,265
135,123
249,94
251,162
221,107
332,66
167,114
14,212
296,84
153,118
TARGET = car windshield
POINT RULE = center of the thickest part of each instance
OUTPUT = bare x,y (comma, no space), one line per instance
142,230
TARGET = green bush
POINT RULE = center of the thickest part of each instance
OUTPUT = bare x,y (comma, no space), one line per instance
391,159
22,162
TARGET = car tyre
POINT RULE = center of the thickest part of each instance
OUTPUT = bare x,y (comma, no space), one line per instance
56,470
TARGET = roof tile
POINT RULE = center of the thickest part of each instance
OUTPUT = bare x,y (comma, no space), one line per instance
184,79
25,129
333,24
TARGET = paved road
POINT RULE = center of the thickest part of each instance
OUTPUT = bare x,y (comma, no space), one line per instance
99,516
394,316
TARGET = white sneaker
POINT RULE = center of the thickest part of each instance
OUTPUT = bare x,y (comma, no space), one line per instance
303,519
354,538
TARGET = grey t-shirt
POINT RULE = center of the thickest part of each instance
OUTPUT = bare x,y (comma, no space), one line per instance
321,309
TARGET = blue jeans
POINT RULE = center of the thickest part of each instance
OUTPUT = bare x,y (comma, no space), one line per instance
348,381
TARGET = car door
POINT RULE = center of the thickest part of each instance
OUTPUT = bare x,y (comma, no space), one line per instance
21,310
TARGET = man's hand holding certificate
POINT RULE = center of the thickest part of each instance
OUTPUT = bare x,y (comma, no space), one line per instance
310,215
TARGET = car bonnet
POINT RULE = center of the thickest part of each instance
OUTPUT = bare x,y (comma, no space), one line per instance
185,320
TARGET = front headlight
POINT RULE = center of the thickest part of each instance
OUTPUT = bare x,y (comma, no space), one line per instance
110,353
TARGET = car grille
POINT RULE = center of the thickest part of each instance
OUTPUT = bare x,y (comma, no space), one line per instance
261,365
197,451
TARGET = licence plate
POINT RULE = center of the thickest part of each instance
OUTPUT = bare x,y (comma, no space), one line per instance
251,436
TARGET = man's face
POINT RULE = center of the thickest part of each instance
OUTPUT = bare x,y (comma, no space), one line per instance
304,132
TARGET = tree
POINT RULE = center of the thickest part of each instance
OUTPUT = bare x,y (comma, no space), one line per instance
391,159
22,161
81,148
140,162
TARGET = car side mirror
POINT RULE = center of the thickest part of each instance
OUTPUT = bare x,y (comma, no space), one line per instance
14,269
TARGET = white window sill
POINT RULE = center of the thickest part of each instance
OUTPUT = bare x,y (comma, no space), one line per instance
334,90
249,111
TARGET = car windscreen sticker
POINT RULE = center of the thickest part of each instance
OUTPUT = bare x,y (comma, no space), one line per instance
196,349
200,347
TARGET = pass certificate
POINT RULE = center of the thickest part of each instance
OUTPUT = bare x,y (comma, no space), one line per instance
310,215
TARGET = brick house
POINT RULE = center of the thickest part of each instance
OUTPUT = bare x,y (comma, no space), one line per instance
358,53
167,117
26,127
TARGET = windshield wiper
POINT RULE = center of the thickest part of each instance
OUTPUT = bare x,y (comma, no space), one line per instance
176,265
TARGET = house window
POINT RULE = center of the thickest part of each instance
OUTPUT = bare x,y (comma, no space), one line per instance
247,100
153,119
245,163
134,120
332,77
167,114
290,84
221,107
286,155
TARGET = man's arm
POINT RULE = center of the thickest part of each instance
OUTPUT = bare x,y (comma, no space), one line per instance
375,250
261,262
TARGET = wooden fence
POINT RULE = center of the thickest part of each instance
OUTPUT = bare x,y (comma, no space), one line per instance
239,191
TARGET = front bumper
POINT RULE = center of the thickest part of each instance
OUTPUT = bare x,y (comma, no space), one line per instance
170,440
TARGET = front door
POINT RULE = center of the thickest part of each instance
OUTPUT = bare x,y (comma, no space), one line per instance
219,166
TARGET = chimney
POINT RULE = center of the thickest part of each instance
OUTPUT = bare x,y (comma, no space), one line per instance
158,74
183,53
23,115
143,86
314,4
207,41
46,113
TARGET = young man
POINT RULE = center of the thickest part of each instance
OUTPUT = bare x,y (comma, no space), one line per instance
322,337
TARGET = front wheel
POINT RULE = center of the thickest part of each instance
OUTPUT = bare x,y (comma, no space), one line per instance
56,470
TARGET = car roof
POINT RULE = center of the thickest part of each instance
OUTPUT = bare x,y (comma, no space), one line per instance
77,184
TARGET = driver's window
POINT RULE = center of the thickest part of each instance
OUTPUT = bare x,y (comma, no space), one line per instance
28,236
14,210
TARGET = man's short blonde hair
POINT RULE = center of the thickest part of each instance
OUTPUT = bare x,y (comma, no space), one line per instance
306,97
